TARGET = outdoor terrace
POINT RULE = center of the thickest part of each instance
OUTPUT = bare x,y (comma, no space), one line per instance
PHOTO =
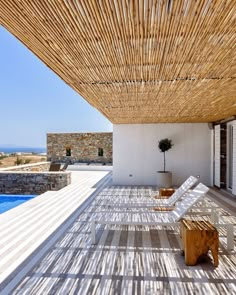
124,260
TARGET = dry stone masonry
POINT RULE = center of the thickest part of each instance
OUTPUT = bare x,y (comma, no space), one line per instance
32,179
80,147
32,182
40,166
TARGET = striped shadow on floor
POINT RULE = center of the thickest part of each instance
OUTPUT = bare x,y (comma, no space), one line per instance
126,259
28,231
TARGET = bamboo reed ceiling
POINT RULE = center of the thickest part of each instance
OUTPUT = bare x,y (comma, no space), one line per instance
142,61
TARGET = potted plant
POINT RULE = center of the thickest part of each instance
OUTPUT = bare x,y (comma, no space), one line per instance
164,177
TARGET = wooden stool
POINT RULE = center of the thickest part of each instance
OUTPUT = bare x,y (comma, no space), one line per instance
166,192
160,208
198,237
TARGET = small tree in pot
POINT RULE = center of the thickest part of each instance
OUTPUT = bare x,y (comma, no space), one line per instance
164,145
164,177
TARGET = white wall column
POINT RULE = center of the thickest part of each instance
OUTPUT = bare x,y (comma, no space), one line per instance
136,157
234,158
217,156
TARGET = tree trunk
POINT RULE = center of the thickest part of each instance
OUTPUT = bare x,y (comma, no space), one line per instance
164,162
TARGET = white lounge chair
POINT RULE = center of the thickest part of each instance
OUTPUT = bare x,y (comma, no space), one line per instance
146,217
146,202
218,222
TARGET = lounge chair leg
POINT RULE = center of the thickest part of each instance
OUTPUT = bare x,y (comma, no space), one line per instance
214,217
203,206
93,232
230,237
181,245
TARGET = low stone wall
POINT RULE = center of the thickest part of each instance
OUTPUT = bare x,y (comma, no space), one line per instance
28,183
40,166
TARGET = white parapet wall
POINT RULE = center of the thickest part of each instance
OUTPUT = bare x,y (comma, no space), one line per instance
136,157
90,167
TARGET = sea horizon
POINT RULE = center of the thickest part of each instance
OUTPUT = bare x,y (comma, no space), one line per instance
20,149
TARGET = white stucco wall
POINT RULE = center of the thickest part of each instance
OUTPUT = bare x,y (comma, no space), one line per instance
136,156
234,158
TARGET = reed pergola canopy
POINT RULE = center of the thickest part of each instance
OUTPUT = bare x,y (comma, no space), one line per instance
139,61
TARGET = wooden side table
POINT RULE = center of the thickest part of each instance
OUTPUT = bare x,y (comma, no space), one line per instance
166,192
198,237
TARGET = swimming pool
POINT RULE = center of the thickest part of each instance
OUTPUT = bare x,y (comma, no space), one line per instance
8,202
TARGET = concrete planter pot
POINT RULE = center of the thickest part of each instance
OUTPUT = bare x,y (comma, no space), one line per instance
164,179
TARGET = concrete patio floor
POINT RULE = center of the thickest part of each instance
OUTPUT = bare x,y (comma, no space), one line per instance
125,260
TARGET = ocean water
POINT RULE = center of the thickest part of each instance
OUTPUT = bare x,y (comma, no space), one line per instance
11,150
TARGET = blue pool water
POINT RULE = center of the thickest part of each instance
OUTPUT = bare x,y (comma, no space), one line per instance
8,202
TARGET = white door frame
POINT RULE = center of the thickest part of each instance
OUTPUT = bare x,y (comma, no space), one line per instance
230,154
217,155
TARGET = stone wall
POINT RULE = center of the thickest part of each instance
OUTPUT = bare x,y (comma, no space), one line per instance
84,147
40,166
28,183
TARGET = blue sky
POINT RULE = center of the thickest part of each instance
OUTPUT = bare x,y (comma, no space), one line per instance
35,101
